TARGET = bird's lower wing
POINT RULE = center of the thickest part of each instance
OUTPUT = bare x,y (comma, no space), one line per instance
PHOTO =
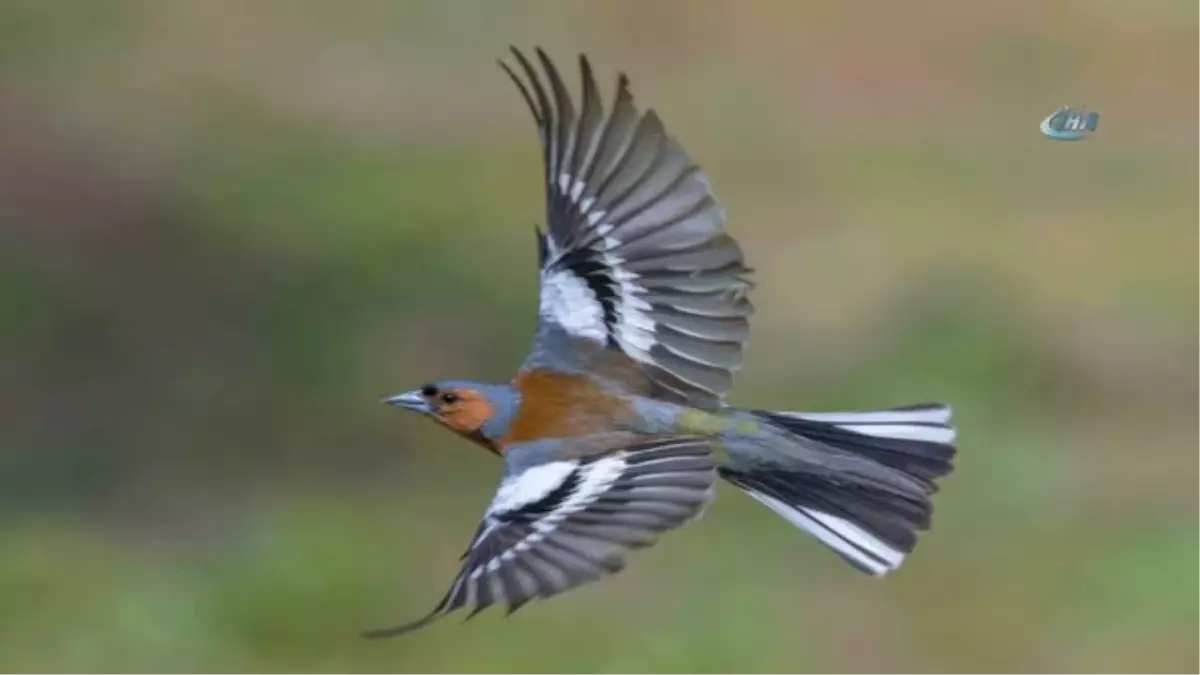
556,525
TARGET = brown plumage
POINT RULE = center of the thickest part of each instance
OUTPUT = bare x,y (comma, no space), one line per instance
465,413
561,405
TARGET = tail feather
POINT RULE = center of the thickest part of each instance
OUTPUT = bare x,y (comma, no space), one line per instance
871,527
876,546
918,440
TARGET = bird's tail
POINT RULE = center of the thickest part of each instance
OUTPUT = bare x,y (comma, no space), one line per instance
860,482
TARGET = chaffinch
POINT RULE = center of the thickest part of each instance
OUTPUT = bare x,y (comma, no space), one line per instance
615,429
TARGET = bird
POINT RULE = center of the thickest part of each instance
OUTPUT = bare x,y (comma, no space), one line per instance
616,429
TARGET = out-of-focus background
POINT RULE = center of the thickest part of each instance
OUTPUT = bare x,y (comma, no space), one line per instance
230,228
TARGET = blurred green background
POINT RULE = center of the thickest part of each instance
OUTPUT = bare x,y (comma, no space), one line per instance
230,228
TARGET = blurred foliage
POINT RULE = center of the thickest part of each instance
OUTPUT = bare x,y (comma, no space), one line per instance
229,228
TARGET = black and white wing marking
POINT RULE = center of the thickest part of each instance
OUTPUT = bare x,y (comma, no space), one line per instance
636,257
557,525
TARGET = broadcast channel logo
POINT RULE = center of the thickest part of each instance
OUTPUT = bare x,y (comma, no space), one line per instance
1069,124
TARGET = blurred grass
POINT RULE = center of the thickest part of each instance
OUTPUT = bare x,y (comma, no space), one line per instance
227,233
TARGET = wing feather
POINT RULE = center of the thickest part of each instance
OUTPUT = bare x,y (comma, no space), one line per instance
576,532
635,246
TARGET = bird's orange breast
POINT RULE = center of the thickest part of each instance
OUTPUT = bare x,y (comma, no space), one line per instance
562,405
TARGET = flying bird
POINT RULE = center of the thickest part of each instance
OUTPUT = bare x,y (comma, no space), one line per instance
616,429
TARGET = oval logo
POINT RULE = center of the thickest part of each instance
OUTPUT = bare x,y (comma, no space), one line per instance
1069,124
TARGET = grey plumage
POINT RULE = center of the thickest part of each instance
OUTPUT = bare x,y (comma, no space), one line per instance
538,542
633,219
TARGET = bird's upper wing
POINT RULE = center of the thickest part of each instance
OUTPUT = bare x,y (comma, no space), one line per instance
635,257
561,523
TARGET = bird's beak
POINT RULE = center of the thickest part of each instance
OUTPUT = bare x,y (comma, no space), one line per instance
412,400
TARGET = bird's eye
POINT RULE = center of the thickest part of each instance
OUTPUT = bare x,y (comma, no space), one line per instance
449,398
429,391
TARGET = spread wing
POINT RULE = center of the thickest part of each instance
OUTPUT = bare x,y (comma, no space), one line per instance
555,525
635,258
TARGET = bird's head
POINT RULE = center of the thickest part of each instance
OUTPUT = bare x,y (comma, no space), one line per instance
480,412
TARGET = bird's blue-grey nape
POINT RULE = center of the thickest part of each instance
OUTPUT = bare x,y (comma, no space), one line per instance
505,400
